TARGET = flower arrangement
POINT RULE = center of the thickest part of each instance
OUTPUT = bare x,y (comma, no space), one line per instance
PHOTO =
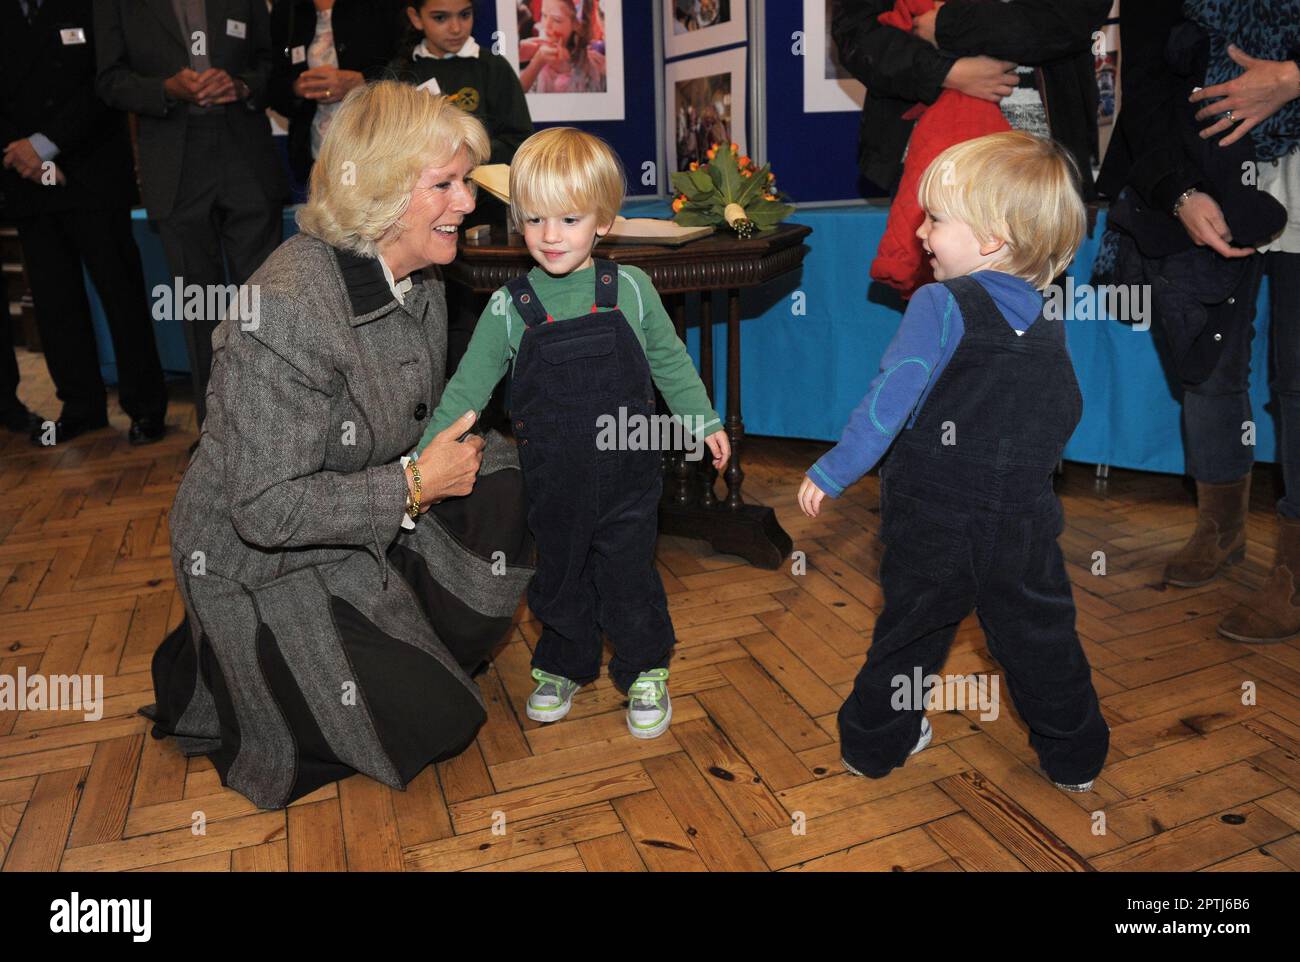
729,190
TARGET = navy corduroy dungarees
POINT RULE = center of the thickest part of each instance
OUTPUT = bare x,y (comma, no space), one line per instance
593,513
969,520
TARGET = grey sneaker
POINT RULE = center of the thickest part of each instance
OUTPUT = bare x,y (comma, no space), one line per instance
649,709
552,698
926,734
1085,787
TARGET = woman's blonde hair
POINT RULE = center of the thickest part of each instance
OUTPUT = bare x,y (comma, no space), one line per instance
379,140
563,170
1016,188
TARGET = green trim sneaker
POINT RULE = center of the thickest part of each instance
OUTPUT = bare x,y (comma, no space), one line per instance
649,709
926,734
552,698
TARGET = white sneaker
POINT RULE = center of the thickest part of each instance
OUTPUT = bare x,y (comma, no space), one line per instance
552,698
927,733
1085,787
649,709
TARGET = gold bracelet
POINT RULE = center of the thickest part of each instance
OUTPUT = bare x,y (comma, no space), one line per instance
413,498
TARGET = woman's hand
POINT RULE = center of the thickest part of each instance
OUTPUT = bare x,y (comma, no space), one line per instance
448,466
720,447
326,85
1251,98
982,77
1203,220
810,497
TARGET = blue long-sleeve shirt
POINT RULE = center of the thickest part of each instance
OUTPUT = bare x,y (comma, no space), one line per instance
927,337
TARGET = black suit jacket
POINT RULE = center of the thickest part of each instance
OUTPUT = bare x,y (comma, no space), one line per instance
366,36
48,86
138,45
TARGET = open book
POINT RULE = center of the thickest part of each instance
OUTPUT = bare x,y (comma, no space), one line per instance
495,179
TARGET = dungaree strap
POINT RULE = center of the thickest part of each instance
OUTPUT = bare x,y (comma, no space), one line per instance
527,303
978,311
606,284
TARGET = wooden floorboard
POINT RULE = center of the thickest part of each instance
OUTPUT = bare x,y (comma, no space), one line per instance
1204,770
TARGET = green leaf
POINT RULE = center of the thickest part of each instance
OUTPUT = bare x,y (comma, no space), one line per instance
701,180
750,191
692,218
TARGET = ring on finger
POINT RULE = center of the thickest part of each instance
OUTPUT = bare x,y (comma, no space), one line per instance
1231,118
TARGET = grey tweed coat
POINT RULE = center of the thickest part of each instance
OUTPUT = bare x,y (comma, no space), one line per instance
320,637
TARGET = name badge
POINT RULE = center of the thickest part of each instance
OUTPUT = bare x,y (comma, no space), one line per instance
298,55
236,28
430,86
71,35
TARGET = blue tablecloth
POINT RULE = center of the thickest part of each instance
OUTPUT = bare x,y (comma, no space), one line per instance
812,342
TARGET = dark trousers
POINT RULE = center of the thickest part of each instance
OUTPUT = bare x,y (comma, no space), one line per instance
594,515
221,218
55,246
1215,410
936,568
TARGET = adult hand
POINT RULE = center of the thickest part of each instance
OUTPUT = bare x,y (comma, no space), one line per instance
1204,223
923,25
22,157
448,466
982,77
1252,97
183,85
216,87
720,447
327,84
810,497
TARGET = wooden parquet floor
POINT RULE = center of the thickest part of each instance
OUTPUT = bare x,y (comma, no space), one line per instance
748,776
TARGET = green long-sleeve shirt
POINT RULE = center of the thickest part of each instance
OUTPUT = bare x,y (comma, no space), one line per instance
495,345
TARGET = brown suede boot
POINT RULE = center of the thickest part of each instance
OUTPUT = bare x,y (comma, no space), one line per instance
1220,536
1271,614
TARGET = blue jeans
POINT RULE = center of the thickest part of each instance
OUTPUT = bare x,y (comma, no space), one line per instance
1213,411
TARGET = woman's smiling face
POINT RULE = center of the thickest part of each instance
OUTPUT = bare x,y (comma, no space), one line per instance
442,198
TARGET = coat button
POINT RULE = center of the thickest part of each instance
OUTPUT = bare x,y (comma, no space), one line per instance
1218,337
1232,300
421,411
519,424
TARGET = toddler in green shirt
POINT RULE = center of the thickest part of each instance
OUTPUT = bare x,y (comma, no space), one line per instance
584,339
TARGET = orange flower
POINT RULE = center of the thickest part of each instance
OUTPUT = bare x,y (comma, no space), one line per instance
744,162
771,176
678,204
769,196
695,165
734,147
746,173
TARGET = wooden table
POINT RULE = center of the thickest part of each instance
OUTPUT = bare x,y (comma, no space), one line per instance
690,507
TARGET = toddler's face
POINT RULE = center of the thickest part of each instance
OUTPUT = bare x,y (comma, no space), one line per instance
446,24
953,247
562,244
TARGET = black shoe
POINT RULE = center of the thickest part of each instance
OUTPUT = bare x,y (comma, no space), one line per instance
22,421
146,430
65,429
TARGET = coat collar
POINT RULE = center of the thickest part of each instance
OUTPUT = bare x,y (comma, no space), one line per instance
368,292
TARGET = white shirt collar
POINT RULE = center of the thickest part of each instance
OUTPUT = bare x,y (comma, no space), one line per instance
470,49
399,289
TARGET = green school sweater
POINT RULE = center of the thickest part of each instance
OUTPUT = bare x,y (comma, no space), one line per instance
495,344
485,86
